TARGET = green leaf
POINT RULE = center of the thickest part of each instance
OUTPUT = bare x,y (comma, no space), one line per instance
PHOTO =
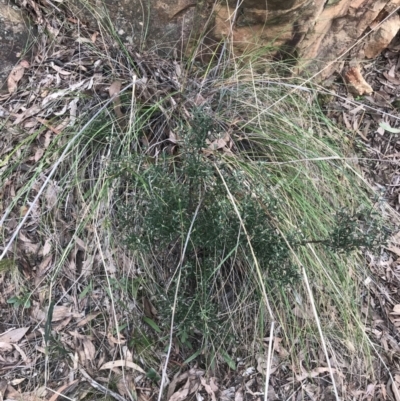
153,375
388,128
12,300
85,291
120,328
195,355
152,324
231,363
47,327
27,303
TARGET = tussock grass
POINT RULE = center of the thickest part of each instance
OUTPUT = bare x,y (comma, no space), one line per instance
216,196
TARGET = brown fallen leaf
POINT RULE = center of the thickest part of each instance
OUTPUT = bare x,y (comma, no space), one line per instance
122,363
15,76
87,319
210,388
90,350
12,393
181,394
395,250
43,268
47,124
395,390
217,144
94,37
60,390
13,335
126,386
177,379
239,396
59,70
26,114
59,313
114,90
51,195
316,372
21,352
15,382
5,347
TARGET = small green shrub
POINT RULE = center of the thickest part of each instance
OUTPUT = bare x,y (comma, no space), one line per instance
160,199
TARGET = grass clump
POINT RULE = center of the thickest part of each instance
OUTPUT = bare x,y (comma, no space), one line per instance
163,195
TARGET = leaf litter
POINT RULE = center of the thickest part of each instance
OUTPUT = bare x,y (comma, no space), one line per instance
375,121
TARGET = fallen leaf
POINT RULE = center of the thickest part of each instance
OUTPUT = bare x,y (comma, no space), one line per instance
51,195
59,391
126,386
87,319
84,40
396,391
38,154
60,70
5,346
122,364
90,350
177,379
94,37
316,372
217,144
239,395
395,250
17,381
46,247
13,335
26,114
114,90
388,128
181,394
210,388
21,352
15,76
60,312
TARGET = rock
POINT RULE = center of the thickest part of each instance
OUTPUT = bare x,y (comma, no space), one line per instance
380,39
250,29
14,34
319,33
356,82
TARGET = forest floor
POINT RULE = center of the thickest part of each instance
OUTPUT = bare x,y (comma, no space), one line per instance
78,319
